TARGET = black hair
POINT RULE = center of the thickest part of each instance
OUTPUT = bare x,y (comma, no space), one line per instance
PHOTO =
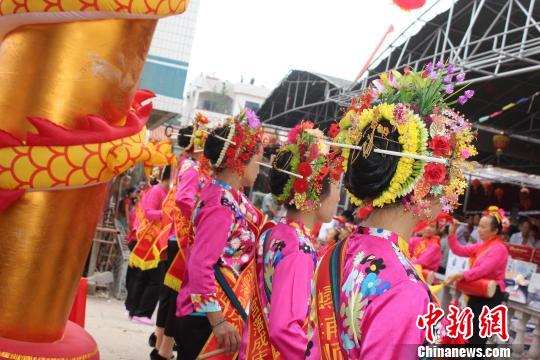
214,145
130,190
166,174
278,179
348,215
368,177
184,137
525,220
154,181
495,223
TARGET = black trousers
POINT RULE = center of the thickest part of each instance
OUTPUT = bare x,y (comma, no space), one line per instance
131,275
476,303
145,293
192,333
167,296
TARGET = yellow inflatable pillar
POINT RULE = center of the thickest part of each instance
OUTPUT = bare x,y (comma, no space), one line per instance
60,72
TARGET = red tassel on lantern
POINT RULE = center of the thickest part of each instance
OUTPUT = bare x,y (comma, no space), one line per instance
410,4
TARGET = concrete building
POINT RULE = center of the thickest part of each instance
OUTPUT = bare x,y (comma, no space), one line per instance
166,67
218,99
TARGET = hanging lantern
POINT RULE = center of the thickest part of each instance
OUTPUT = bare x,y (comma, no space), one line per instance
500,142
410,4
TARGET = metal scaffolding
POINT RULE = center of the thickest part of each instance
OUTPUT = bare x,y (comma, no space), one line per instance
489,39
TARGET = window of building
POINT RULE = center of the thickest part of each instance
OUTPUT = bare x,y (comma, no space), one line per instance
252,105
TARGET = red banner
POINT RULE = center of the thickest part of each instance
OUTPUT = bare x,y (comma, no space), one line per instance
258,344
520,252
325,317
536,259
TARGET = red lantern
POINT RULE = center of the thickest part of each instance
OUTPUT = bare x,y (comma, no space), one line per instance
410,4
499,193
500,142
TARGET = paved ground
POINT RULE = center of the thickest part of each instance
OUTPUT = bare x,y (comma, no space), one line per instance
116,336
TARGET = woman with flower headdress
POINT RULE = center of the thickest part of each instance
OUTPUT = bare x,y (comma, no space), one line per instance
304,177
487,264
403,147
218,278
177,208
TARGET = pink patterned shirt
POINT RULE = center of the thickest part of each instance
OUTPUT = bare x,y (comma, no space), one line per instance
223,237
380,299
285,270
490,264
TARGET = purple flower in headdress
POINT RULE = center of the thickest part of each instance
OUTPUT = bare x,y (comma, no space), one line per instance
460,77
429,67
450,69
439,65
447,79
449,89
433,75
469,93
252,119
462,99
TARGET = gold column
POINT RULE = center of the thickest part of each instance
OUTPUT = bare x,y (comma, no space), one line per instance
61,72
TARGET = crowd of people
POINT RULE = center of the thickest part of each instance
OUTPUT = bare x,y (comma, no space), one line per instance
270,283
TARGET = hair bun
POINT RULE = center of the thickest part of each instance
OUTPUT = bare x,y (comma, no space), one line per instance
278,179
368,177
214,145
185,137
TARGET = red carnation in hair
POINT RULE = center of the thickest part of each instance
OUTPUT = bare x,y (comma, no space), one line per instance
333,131
305,169
434,174
301,186
440,146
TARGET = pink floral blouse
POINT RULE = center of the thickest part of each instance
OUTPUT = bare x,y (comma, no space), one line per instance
380,299
285,268
222,237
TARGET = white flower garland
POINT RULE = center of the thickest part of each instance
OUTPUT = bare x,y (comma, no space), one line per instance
223,152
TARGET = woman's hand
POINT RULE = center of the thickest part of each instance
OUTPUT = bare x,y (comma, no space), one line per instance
453,278
452,228
227,337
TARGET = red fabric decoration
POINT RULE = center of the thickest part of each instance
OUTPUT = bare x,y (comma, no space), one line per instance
410,4
78,310
8,197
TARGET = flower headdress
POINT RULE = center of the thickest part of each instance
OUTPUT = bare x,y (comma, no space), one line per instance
499,215
435,139
244,137
312,160
200,126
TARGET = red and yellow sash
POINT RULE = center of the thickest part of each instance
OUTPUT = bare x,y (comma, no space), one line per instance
151,237
184,235
243,288
325,316
424,244
482,249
